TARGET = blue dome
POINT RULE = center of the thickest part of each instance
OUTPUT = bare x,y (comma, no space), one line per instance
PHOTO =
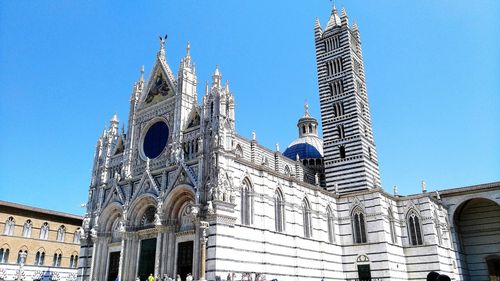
304,150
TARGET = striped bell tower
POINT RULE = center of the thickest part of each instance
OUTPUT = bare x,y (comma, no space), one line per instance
350,155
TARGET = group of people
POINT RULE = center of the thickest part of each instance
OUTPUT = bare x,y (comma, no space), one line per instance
165,277
434,276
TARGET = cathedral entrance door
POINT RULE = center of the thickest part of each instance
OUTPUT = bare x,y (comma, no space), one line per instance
114,263
364,273
185,259
147,258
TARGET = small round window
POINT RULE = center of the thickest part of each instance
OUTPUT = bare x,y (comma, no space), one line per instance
155,139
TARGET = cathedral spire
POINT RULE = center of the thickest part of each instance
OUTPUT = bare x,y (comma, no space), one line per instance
334,19
217,77
141,79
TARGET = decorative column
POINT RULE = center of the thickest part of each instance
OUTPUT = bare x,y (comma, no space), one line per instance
158,259
95,244
203,249
123,255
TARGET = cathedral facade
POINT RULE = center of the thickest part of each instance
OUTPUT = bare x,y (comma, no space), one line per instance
180,191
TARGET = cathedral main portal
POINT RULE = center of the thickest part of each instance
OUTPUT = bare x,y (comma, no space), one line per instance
147,258
185,259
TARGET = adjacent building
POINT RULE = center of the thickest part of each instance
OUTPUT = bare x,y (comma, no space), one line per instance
180,191
38,244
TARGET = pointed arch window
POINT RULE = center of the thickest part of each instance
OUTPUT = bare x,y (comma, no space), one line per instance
306,216
359,226
330,224
44,231
40,257
338,109
76,236
239,151
279,211
392,226
341,131
414,229
287,170
4,254
21,256
61,233
56,261
28,225
246,203
9,226
73,261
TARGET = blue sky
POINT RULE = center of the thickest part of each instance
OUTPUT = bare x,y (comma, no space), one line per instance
432,71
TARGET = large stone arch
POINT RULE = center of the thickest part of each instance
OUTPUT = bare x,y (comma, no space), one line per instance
476,234
108,217
139,206
179,199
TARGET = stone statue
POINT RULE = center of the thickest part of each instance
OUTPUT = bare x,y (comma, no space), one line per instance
86,223
210,208
93,233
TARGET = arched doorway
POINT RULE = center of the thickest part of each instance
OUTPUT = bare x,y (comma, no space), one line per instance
477,223
177,211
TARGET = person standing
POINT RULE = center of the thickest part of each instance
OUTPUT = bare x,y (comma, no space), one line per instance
189,277
151,278
178,278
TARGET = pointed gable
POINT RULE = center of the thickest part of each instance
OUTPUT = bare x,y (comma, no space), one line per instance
161,84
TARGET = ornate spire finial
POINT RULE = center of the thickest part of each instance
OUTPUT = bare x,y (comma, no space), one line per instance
114,119
277,147
142,72
424,187
306,108
161,53
395,190
188,49
216,78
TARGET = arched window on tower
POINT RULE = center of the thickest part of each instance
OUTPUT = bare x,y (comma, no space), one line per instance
338,109
358,225
9,226
331,225
44,231
4,254
414,229
306,216
27,229
340,130
279,211
392,226
342,151
246,203
61,233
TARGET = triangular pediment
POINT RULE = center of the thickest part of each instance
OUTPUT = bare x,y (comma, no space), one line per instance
161,85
